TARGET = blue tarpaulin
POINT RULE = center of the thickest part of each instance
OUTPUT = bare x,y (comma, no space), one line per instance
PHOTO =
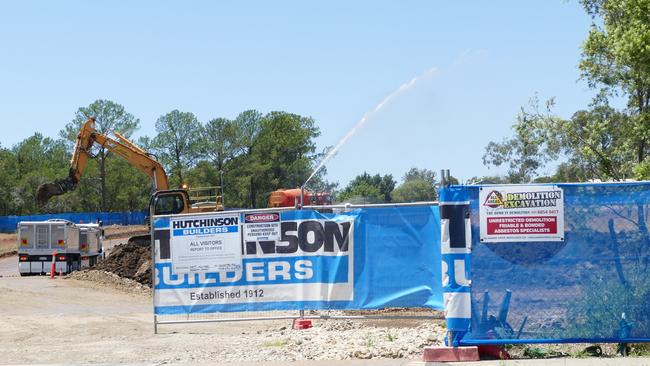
368,258
8,223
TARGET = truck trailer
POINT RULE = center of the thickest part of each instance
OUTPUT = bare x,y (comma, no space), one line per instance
74,246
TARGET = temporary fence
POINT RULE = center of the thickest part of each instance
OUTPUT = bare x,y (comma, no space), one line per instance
9,223
560,263
353,261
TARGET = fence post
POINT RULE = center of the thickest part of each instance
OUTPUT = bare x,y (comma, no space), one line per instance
152,228
455,246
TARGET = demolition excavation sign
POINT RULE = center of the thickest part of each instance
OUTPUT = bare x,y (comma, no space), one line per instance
521,214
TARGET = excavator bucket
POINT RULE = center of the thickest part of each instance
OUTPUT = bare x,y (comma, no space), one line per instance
45,191
60,186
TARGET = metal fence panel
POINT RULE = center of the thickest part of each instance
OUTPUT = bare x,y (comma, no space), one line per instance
396,260
592,287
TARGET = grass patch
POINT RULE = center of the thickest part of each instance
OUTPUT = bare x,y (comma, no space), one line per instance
391,337
640,350
278,343
369,342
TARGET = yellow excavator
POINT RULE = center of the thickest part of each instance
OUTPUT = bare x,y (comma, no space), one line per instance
167,201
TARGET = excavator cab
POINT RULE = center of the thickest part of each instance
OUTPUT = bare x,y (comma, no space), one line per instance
170,202
178,201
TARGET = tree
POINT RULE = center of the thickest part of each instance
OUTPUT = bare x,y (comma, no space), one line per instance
494,179
204,174
178,143
35,160
596,143
223,140
616,58
529,149
239,176
318,182
426,175
129,188
109,117
599,142
7,181
369,188
283,153
248,125
417,185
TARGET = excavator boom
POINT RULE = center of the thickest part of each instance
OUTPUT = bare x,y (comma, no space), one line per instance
120,146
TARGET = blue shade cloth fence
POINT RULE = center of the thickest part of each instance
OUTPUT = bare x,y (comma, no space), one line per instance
594,286
8,223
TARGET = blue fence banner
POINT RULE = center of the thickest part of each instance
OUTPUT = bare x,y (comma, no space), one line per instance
456,246
367,258
588,283
8,224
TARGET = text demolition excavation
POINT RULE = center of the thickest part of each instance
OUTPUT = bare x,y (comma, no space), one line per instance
532,199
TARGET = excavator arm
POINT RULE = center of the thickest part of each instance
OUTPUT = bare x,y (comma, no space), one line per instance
120,146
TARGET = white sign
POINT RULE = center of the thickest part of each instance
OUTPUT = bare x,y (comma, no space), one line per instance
313,263
521,213
206,243
262,226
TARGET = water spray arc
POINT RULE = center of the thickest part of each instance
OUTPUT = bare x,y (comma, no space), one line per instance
364,119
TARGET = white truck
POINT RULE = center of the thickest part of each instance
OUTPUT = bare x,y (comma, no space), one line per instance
74,246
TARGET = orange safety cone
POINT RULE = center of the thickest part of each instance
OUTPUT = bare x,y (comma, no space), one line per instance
53,266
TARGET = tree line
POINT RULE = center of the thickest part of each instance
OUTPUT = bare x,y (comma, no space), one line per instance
599,142
255,154
252,154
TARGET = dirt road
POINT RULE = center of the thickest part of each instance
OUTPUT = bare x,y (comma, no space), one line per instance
72,321
58,321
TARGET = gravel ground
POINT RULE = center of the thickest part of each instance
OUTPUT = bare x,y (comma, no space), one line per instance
101,280
340,340
46,321
275,340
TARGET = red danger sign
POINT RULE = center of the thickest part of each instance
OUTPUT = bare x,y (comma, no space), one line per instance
261,217
522,225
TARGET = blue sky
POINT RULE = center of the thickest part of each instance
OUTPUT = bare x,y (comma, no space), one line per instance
331,60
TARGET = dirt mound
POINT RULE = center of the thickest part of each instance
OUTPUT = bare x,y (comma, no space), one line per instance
111,280
131,260
8,245
124,231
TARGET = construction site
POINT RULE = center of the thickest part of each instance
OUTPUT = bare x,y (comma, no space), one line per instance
104,300
351,183
109,307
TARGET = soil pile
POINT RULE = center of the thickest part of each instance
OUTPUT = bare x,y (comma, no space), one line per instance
124,231
111,280
131,260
